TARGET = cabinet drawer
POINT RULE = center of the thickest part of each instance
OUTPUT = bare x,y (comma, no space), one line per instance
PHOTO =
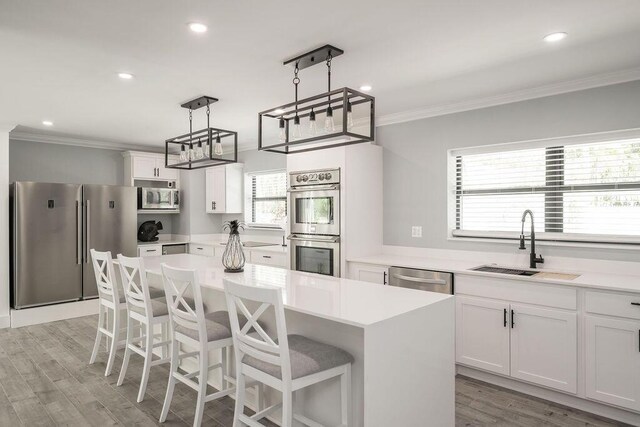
150,250
201,250
265,258
517,291
621,305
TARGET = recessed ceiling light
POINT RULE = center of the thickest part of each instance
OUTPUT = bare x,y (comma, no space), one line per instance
47,122
125,76
279,111
555,37
365,88
196,27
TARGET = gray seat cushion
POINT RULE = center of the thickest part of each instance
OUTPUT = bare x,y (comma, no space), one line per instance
307,357
218,326
158,306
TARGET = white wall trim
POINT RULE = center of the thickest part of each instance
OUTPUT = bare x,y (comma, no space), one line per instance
25,135
5,322
51,313
515,96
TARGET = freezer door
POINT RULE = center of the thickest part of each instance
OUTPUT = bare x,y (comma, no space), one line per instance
110,222
46,243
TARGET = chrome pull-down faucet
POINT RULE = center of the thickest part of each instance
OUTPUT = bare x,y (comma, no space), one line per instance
533,258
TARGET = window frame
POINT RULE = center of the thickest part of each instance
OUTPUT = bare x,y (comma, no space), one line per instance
250,199
553,184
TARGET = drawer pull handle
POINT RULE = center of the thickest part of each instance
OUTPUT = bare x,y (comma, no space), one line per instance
635,303
266,256
505,317
151,250
513,323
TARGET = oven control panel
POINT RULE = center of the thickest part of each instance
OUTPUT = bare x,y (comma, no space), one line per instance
317,177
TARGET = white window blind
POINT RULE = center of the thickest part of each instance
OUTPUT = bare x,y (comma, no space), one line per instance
268,202
577,192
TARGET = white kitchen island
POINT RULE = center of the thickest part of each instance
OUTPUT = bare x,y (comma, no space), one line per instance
402,340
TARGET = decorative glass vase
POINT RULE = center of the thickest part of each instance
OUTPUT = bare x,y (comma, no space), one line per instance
233,256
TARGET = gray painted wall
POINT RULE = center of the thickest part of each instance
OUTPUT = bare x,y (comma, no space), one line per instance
415,158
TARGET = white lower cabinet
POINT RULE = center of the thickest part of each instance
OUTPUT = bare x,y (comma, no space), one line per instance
482,334
544,345
613,361
369,273
535,344
265,258
150,250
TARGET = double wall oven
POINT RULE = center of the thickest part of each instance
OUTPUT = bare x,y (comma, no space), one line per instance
314,216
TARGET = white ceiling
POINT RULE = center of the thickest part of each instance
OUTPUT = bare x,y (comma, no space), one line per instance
59,58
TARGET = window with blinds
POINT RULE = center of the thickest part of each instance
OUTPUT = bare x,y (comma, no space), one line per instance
268,203
577,192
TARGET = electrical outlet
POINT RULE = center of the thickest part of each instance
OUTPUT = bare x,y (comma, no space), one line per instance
416,231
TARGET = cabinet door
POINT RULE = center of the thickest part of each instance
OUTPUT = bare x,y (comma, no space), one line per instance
482,336
544,345
613,361
166,173
215,190
371,273
144,167
268,258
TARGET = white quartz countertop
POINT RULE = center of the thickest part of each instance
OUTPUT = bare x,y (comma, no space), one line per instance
605,281
172,241
346,301
275,248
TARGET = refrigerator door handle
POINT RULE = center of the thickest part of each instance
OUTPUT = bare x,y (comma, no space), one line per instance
79,232
88,231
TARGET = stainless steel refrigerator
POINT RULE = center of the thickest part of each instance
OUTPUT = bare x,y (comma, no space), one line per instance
53,228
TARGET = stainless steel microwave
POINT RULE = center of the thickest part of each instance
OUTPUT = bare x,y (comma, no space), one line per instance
162,199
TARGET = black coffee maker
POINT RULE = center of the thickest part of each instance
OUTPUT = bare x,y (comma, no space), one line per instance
148,231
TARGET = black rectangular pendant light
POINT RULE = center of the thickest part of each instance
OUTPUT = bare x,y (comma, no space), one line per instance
202,148
334,118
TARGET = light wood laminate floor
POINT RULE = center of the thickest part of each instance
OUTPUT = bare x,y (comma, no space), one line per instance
46,380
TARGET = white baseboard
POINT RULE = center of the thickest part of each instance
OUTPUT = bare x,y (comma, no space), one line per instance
51,313
5,322
553,396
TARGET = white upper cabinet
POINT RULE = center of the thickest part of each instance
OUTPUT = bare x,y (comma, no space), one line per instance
224,188
482,334
544,345
148,167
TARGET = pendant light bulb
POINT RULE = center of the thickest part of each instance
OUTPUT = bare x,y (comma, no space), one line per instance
199,153
217,149
282,135
183,154
296,134
313,127
192,153
349,116
329,124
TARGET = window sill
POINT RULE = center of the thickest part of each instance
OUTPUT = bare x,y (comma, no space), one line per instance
514,242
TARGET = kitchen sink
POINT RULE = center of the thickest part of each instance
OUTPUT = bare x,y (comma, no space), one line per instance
503,270
527,273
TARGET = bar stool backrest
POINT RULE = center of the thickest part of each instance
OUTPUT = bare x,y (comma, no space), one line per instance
105,276
251,339
134,282
178,284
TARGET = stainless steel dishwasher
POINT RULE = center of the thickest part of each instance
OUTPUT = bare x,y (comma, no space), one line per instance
424,280
179,248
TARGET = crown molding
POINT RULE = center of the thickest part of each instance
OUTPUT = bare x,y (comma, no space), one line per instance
515,96
25,135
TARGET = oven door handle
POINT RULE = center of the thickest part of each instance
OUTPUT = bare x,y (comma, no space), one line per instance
419,279
311,239
312,188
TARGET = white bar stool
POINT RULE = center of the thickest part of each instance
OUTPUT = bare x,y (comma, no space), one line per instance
189,325
287,364
109,299
148,313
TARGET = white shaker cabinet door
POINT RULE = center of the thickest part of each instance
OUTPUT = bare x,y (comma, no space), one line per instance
482,334
613,361
544,345
144,167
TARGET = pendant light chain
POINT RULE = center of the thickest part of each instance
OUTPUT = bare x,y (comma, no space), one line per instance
296,82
